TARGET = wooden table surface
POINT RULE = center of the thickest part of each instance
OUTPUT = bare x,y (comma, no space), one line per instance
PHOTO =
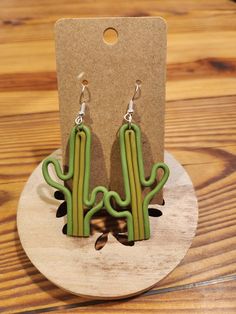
200,133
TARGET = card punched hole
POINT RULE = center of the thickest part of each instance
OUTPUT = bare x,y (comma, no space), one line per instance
110,36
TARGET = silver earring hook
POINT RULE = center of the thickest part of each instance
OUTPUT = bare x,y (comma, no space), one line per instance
137,91
85,94
83,101
129,114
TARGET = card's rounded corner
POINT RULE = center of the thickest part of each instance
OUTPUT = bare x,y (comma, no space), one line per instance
59,22
163,21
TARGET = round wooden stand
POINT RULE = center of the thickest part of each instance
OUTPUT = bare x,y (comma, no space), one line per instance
116,271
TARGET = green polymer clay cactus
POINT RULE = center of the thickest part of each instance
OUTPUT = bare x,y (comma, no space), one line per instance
78,199
134,179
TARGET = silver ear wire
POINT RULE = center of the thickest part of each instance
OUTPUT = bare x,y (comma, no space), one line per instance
83,100
137,93
137,90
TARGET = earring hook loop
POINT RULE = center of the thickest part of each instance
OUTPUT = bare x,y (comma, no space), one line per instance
137,93
83,101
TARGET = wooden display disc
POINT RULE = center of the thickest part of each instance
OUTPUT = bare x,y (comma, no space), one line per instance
115,271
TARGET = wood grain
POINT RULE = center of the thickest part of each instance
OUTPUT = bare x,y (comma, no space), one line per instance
200,132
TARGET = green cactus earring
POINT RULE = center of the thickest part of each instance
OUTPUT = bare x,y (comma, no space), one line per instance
134,179
81,203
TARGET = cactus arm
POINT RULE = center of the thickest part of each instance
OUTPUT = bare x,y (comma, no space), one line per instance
88,217
63,177
124,214
56,163
151,179
152,193
61,188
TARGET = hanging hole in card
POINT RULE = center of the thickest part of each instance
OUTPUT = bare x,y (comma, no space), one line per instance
110,36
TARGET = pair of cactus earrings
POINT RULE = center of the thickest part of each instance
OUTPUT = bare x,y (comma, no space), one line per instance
81,202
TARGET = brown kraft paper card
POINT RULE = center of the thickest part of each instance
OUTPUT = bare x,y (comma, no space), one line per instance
111,71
